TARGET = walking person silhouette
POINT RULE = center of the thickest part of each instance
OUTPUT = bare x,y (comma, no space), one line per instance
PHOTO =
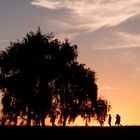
109,120
118,120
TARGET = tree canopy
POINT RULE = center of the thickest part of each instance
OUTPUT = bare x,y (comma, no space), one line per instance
41,78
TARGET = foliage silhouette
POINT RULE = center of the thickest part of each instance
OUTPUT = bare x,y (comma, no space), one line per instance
103,107
41,78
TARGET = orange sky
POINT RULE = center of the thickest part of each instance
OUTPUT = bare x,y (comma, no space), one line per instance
122,92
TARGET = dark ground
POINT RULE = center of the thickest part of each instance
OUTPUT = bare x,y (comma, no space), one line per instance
87,133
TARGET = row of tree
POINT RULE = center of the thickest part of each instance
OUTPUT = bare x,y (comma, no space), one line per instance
41,78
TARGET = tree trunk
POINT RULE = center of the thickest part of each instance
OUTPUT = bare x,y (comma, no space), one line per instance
64,122
65,119
43,120
29,117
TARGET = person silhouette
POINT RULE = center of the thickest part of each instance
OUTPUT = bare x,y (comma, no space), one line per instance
109,120
118,120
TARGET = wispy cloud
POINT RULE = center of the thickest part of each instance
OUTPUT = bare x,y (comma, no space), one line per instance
118,40
47,4
136,73
107,24
97,13
108,88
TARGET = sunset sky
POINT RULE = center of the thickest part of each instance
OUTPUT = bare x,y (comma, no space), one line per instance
107,33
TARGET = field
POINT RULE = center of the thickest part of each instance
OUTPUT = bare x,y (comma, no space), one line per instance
126,132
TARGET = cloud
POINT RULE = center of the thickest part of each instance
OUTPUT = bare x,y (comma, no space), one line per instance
107,38
100,24
96,13
118,40
136,73
108,88
48,4
130,25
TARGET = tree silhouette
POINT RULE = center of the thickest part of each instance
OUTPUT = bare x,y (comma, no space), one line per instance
41,78
102,109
